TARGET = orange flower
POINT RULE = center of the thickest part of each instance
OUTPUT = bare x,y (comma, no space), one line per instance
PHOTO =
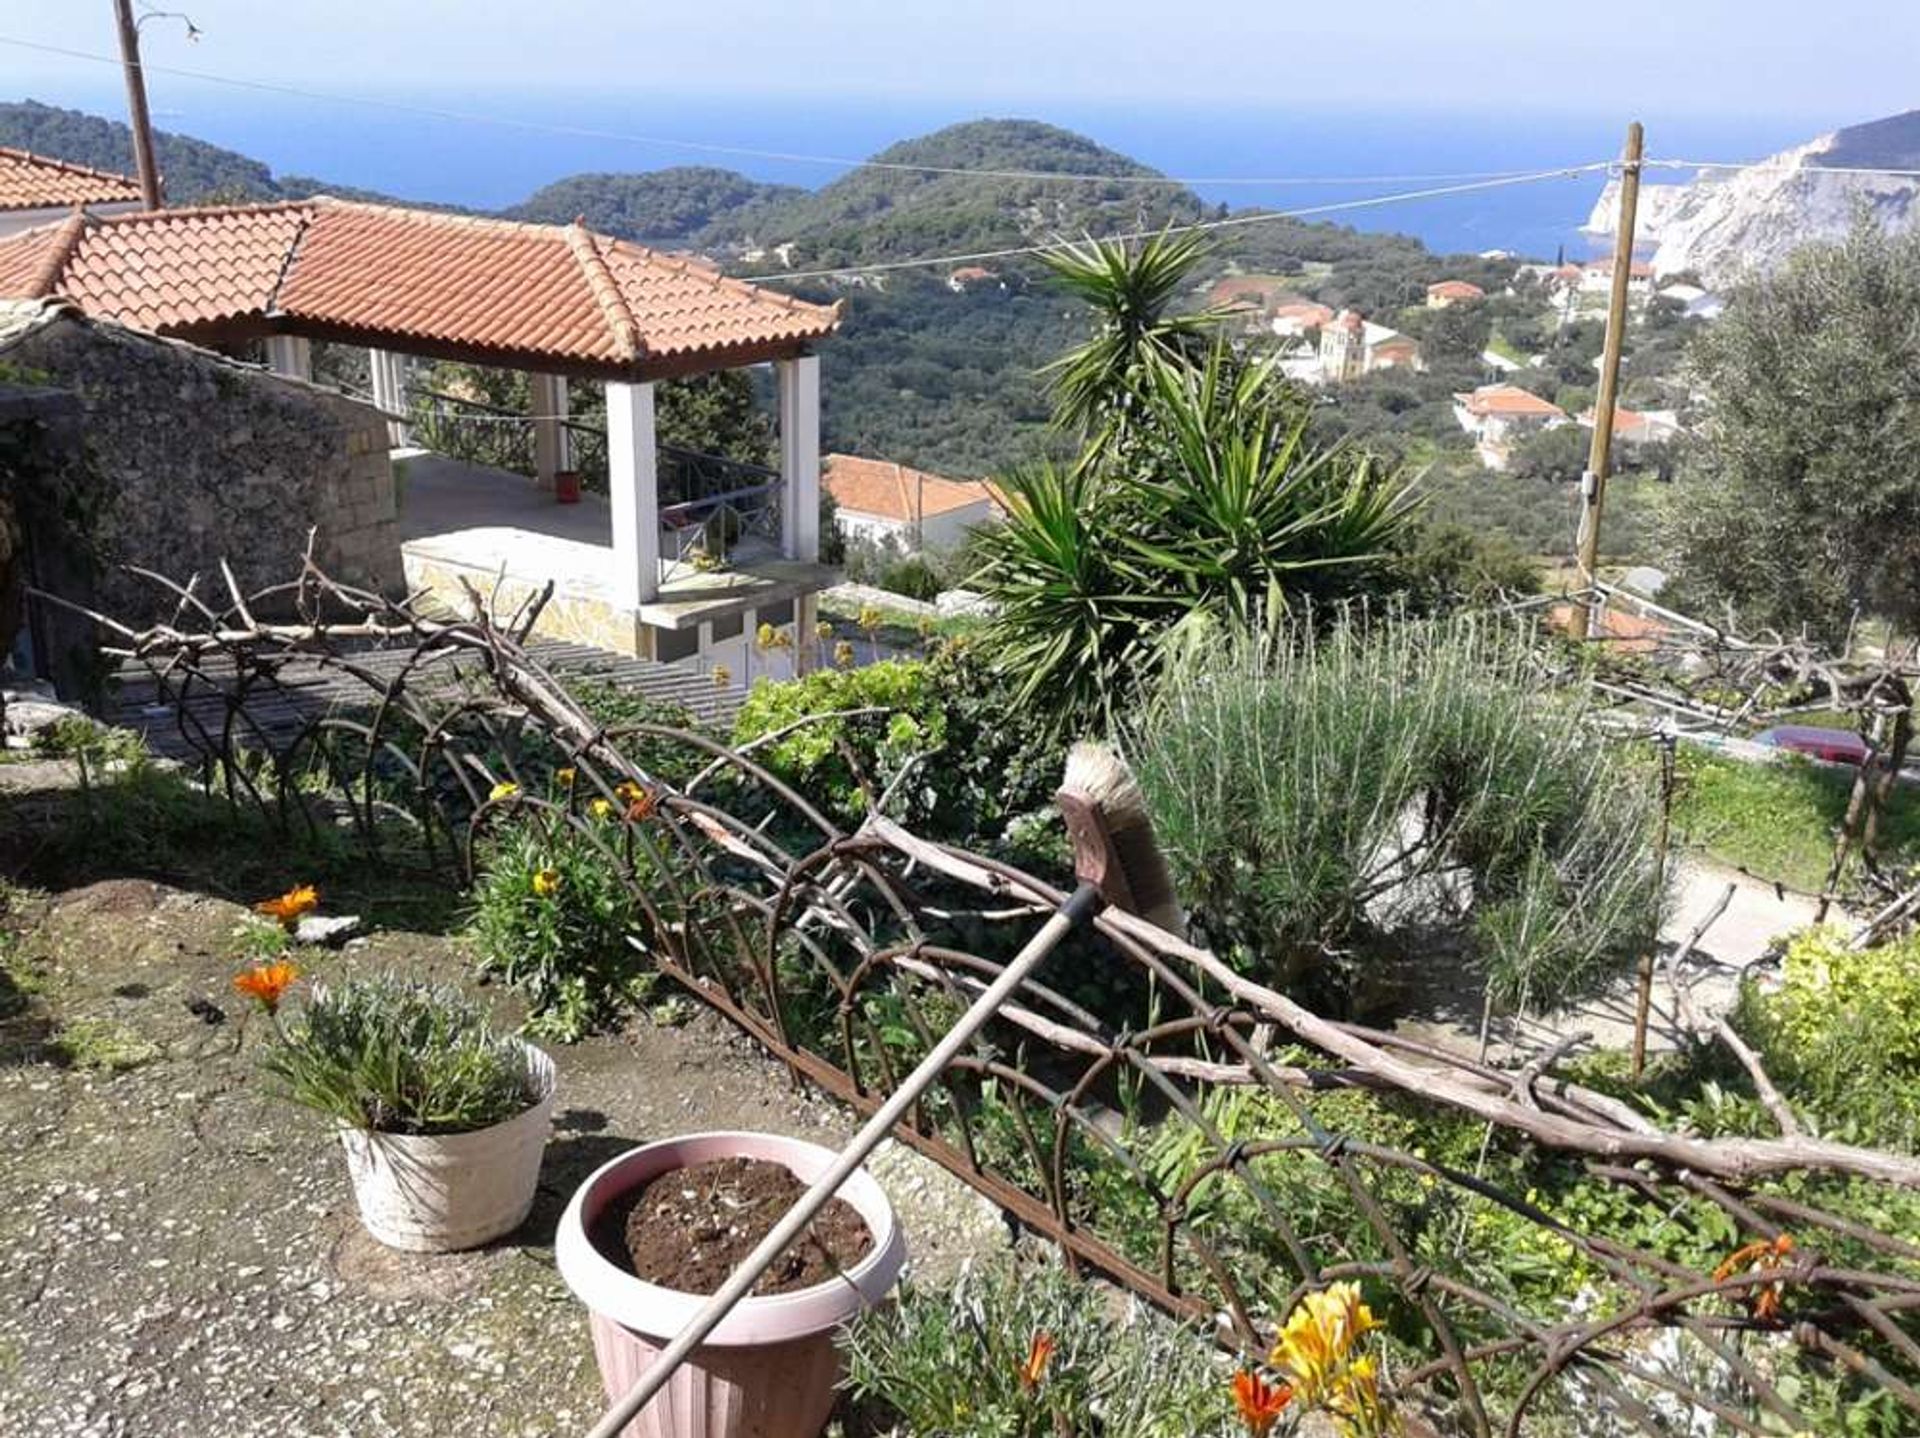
1761,1256
640,801
1260,1403
1039,1355
266,982
288,908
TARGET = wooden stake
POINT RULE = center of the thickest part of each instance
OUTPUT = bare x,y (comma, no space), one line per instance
1593,484
1643,996
137,118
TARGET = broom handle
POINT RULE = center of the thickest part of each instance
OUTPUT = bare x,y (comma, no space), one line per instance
1077,907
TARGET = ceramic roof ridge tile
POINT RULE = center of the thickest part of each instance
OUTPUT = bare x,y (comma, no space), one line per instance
60,249
606,291
272,305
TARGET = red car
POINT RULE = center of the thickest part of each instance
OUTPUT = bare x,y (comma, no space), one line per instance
1836,746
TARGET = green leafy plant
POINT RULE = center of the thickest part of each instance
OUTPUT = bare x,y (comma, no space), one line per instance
1842,1034
551,913
395,1055
1030,1353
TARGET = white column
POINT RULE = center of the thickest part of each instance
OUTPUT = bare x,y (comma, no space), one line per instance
799,389
290,355
389,375
633,488
547,398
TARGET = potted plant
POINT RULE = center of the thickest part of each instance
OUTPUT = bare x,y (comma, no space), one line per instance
770,1369
444,1119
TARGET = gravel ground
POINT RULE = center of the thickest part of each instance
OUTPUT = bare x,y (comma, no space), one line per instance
179,1254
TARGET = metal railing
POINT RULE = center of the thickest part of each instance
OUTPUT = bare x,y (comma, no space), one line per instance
709,504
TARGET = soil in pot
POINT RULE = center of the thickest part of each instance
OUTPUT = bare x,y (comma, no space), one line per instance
689,1229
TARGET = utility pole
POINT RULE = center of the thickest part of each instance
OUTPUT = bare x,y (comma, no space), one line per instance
1593,484
137,117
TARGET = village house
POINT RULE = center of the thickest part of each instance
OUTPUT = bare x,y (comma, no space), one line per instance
1303,317
1637,427
1452,292
37,191
1352,346
1596,277
1498,416
885,503
972,277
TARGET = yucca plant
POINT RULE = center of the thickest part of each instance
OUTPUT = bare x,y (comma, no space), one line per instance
1217,510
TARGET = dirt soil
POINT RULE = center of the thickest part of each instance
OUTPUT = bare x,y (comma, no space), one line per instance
690,1228
180,1254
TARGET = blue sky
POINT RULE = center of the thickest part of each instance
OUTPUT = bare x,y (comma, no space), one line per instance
1838,61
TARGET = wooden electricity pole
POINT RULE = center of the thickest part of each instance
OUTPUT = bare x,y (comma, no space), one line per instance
137,118
1593,484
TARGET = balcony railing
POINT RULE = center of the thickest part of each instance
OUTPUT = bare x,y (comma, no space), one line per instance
711,507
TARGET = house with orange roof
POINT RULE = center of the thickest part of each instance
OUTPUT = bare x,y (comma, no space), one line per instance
1596,277
684,549
1452,292
969,277
36,190
1352,345
883,502
1637,427
1498,416
1294,321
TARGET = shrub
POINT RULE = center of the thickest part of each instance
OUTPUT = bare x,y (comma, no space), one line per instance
810,757
957,1362
1327,801
398,1056
1842,1034
551,914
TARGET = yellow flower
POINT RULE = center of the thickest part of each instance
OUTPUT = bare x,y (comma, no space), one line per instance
722,676
565,777
505,789
626,791
546,883
288,907
1318,1350
600,808
843,655
870,618
823,631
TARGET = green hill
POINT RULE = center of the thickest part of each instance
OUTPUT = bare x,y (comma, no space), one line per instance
696,206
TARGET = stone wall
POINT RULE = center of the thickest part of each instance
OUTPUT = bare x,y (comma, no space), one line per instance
193,458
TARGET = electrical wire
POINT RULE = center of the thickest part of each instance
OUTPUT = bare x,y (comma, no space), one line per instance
749,152
1230,222
1808,169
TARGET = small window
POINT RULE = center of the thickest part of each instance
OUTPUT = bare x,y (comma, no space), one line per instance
775,614
728,626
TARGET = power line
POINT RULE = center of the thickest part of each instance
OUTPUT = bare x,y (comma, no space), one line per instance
784,156
1230,222
1810,169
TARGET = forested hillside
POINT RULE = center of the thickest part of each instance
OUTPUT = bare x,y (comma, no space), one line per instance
692,206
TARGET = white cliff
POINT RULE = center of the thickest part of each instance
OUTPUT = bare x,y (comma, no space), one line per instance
1722,223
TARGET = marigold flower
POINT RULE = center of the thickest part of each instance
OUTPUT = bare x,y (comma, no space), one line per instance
288,907
626,791
565,777
266,982
546,883
505,789
1260,1403
1039,1355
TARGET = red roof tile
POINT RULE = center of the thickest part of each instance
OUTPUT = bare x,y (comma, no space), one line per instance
34,182
892,491
1455,290
493,288
1509,400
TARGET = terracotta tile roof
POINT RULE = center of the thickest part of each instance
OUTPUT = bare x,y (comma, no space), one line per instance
494,290
892,491
1455,290
34,182
1507,399
1313,314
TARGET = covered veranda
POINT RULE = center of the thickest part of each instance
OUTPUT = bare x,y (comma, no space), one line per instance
681,554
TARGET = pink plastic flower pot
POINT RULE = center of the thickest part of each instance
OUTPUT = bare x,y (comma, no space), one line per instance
769,1369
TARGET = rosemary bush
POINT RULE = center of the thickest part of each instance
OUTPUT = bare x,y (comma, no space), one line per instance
964,1361
1330,798
395,1055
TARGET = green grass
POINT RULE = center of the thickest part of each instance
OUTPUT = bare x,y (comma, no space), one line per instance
1779,819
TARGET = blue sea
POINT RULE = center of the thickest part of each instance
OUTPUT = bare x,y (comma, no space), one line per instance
495,157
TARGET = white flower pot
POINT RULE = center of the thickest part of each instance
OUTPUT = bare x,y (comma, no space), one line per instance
432,1193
